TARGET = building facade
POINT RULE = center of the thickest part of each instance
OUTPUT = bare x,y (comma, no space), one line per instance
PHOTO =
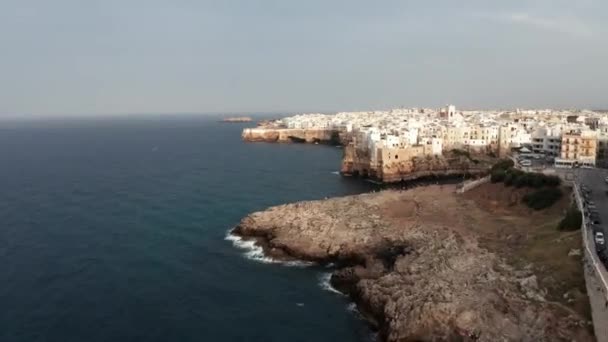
578,148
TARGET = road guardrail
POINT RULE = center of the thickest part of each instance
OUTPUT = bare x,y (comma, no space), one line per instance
594,258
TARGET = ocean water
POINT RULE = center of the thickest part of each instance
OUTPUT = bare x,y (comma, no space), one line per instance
115,230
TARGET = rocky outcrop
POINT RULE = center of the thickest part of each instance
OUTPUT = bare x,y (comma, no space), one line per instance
412,262
286,135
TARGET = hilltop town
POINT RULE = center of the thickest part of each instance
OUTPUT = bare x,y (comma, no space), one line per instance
393,145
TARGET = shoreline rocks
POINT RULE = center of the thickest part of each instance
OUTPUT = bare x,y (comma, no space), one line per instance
412,263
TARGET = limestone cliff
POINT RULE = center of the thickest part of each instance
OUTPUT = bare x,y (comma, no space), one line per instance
277,134
388,165
409,166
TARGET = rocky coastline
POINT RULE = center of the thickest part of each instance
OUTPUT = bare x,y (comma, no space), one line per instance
420,266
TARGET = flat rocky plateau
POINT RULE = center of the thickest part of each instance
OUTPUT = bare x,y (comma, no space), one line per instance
428,264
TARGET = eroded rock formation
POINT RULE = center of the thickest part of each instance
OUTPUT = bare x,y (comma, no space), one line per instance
413,263
410,167
272,134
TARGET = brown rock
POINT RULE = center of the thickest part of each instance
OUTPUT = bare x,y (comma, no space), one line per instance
412,262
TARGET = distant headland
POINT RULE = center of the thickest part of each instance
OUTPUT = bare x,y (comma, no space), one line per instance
237,119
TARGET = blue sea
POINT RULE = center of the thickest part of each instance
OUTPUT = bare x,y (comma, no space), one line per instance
115,230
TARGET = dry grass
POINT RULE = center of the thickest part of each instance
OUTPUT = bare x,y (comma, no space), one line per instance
528,238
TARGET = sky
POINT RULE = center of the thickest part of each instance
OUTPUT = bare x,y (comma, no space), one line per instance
75,57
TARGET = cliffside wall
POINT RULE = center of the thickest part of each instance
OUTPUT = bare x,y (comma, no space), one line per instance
408,164
290,135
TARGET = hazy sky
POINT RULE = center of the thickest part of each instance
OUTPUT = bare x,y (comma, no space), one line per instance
69,57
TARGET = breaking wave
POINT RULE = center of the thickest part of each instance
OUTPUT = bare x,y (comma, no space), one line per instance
256,253
325,283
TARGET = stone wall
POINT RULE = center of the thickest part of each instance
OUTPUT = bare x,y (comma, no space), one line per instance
472,184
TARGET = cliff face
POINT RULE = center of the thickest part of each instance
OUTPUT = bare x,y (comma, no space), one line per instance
403,165
357,162
412,262
408,167
270,134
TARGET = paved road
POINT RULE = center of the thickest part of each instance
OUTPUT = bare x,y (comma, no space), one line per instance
594,180
596,275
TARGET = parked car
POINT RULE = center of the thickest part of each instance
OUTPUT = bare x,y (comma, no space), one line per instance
603,257
588,202
599,238
525,163
594,219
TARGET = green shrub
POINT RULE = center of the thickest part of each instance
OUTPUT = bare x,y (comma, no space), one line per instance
503,171
461,153
553,181
503,164
522,180
509,179
572,221
497,176
543,198
537,181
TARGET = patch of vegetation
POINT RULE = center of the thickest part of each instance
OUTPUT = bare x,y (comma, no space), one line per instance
572,221
543,198
503,164
463,153
504,172
459,152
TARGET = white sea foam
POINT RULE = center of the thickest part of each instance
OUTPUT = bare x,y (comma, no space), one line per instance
337,173
352,307
256,253
325,283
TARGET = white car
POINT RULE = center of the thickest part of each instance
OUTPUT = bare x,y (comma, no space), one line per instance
525,163
599,238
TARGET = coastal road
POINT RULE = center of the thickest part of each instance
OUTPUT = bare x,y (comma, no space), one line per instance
596,276
594,180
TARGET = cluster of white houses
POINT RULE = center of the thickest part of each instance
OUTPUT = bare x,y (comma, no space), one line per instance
568,137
